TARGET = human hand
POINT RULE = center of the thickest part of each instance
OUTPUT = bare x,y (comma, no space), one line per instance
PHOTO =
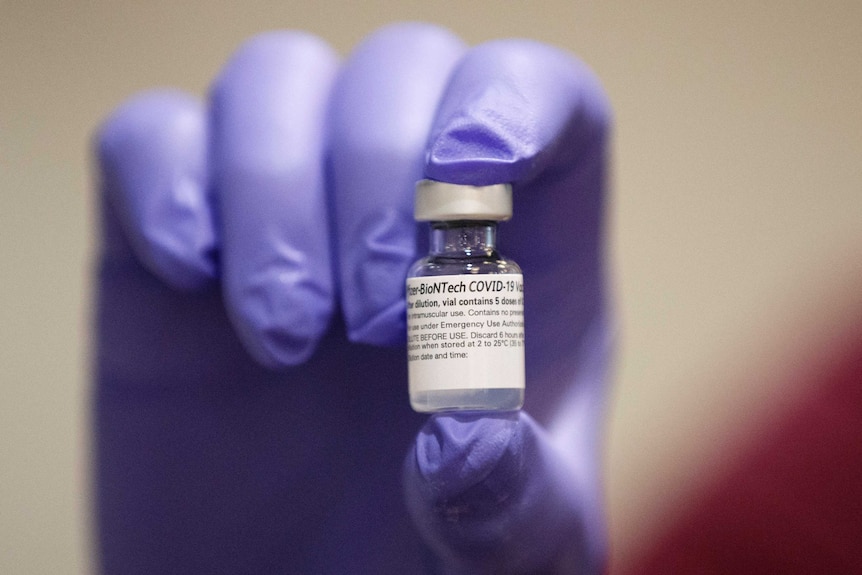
506,493
293,191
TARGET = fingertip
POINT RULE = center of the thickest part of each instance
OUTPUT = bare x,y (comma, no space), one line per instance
380,114
464,482
151,153
268,109
456,451
271,42
489,494
507,106
281,327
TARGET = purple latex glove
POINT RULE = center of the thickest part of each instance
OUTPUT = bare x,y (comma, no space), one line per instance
254,254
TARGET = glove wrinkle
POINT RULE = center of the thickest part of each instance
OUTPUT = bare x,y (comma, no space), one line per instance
284,333
386,249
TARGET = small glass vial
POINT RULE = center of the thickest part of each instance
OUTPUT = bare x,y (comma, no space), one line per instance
465,304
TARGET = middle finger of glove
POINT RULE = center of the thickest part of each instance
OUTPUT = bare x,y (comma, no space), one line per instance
382,110
268,109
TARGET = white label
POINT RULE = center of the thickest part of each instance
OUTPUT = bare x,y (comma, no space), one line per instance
465,332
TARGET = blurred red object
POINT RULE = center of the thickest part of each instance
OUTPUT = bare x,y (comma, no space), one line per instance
790,504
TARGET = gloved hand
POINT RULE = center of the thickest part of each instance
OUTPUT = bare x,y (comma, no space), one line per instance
249,416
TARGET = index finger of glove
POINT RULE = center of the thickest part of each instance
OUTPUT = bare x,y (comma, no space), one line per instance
523,112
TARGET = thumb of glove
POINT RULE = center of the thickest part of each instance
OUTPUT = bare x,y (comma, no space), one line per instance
490,494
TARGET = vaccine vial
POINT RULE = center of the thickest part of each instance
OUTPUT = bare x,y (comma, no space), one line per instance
465,304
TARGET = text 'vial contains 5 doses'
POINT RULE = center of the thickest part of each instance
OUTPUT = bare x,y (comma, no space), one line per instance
465,304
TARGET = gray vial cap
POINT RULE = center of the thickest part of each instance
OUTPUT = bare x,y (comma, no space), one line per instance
441,201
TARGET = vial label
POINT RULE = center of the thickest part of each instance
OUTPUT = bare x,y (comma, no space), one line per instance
465,332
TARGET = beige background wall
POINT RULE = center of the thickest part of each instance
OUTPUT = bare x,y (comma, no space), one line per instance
736,220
